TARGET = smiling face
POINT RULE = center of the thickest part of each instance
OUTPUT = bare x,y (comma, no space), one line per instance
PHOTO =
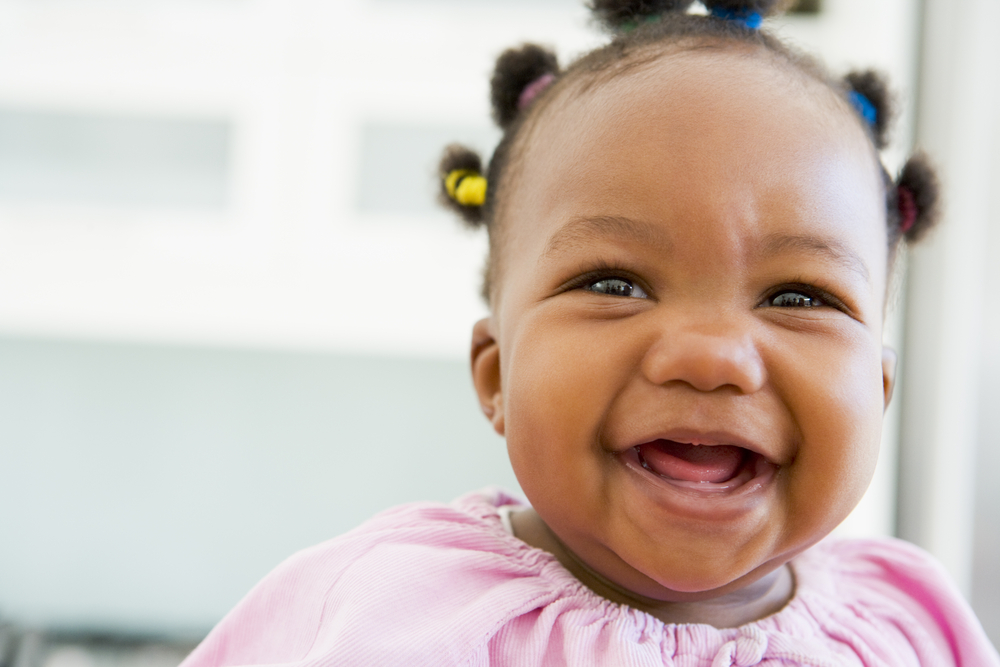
685,351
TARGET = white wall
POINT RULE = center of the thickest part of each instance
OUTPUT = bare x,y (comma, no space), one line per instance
959,123
146,488
950,503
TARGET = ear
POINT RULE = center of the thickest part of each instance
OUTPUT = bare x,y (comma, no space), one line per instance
888,373
486,372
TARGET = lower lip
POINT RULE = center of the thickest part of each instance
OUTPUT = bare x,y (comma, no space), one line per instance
704,500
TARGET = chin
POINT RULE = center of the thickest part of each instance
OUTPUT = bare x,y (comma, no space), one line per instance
694,576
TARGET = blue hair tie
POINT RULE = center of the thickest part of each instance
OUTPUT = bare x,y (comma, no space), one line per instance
751,20
864,107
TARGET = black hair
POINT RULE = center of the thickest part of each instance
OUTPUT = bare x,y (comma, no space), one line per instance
919,179
525,76
516,69
455,157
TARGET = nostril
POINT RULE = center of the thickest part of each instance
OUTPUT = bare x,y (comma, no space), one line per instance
707,362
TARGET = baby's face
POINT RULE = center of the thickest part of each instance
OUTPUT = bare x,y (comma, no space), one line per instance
685,354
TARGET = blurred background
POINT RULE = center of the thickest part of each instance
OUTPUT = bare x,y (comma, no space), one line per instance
234,324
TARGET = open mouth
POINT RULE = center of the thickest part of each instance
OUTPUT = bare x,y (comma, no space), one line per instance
701,466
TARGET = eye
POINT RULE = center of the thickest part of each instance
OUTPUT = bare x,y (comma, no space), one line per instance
614,286
793,298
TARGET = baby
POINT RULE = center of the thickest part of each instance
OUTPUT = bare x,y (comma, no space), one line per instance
691,236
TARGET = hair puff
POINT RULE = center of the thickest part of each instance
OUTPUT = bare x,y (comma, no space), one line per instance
457,156
919,177
618,14
515,70
873,86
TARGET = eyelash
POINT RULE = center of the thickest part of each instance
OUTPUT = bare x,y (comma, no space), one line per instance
809,291
607,271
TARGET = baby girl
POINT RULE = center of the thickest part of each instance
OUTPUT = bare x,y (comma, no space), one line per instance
691,235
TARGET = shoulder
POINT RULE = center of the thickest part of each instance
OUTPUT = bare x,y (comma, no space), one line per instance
442,576
886,592
886,567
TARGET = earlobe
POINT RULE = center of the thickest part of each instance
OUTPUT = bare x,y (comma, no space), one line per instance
888,373
485,360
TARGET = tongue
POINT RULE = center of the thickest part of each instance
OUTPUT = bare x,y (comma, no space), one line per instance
692,463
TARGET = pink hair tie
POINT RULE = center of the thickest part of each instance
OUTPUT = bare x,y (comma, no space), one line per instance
531,91
907,208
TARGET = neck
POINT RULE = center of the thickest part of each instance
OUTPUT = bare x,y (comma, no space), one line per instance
761,598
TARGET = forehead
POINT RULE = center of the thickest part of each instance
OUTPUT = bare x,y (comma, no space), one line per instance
710,129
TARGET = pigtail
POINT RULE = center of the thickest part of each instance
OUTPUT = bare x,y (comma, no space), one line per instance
463,186
520,75
625,15
518,78
913,198
868,93
622,16
917,198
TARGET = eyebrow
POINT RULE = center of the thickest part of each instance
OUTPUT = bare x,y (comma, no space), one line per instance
819,246
580,231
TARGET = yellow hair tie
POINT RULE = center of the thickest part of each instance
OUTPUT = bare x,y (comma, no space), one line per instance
466,186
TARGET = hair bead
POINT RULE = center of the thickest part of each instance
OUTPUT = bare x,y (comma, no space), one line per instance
864,107
629,26
868,92
466,186
532,90
465,163
748,19
907,206
917,198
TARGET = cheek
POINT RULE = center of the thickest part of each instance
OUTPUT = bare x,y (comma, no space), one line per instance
839,419
558,386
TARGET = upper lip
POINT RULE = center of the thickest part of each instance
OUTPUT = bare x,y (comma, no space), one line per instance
707,438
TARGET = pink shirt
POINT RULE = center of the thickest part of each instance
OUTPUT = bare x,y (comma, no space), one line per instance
431,584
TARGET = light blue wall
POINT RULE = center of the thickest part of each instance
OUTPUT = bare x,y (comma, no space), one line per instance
146,488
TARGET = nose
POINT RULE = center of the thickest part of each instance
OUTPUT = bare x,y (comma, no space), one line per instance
707,354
